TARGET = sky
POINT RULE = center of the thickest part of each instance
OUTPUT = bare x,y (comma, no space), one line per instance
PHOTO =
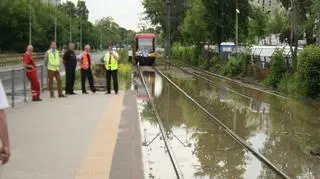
126,13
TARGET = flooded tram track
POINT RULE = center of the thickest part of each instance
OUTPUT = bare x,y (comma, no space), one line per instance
275,128
202,148
232,134
173,159
198,72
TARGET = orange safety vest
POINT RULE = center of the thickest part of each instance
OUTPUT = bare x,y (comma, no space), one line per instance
84,63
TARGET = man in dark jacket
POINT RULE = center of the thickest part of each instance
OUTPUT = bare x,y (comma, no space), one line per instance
70,63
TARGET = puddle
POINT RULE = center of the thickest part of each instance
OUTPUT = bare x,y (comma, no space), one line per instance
202,149
279,129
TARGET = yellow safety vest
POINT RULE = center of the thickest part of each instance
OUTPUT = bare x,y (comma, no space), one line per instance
53,60
114,62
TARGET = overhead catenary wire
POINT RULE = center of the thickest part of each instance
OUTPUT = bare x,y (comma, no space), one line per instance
232,134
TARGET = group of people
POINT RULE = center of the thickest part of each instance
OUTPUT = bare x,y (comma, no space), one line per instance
52,62
70,61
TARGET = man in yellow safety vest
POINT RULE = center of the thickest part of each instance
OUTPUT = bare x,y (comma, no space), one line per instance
52,61
111,61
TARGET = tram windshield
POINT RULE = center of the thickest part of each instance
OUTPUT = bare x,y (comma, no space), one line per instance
145,44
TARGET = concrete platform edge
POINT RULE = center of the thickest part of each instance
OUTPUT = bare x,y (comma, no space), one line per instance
127,159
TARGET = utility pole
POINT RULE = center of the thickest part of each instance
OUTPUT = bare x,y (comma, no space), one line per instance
55,22
237,24
293,34
80,35
70,34
168,44
30,23
100,38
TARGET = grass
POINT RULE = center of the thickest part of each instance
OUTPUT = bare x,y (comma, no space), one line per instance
124,77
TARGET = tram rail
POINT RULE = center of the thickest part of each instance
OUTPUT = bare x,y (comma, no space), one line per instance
173,159
232,134
201,71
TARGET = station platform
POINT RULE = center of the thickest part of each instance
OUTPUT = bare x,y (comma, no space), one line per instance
93,136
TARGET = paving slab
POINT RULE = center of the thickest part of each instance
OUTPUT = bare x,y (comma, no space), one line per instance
76,137
127,158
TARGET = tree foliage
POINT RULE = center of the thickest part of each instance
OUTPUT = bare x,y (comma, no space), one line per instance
309,71
194,27
14,22
277,70
220,17
257,25
156,12
278,22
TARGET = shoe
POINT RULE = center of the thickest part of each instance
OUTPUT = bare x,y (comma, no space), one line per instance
94,91
62,96
116,92
73,93
85,93
37,100
108,92
52,97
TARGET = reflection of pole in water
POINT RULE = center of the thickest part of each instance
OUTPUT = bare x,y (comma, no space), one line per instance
168,100
150,78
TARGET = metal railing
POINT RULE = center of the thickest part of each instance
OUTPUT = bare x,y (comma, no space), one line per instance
16,84
9,60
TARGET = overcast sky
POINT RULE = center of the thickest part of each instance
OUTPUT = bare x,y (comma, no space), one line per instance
125,12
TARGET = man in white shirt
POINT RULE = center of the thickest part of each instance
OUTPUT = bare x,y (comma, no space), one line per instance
130,53
5,148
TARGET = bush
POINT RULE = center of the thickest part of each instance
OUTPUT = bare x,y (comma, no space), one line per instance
123,55
277,70
185,54
233,67
237,65
245,62
289,84
308,71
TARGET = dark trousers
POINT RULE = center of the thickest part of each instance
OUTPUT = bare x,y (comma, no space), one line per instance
114,74
70,79
84,75
56,75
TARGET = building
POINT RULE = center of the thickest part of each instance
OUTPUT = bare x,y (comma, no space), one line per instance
53,2
267,5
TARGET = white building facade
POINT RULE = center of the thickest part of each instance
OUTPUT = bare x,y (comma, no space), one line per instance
267,5
53,2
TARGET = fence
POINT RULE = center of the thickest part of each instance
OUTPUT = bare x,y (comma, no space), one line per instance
9,60
16,85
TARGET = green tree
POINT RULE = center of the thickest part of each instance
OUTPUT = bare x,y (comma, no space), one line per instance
82,10
220,17
278,22
194,27
69,8
301,22
14,25
156,12
316,15
257,25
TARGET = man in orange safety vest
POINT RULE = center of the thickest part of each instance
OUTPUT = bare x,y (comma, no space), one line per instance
85,65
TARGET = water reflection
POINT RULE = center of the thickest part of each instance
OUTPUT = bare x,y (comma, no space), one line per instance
156,159
202,149
282,130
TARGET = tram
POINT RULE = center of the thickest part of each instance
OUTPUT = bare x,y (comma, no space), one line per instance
145,49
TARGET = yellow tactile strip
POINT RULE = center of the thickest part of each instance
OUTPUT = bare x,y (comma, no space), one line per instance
97,162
